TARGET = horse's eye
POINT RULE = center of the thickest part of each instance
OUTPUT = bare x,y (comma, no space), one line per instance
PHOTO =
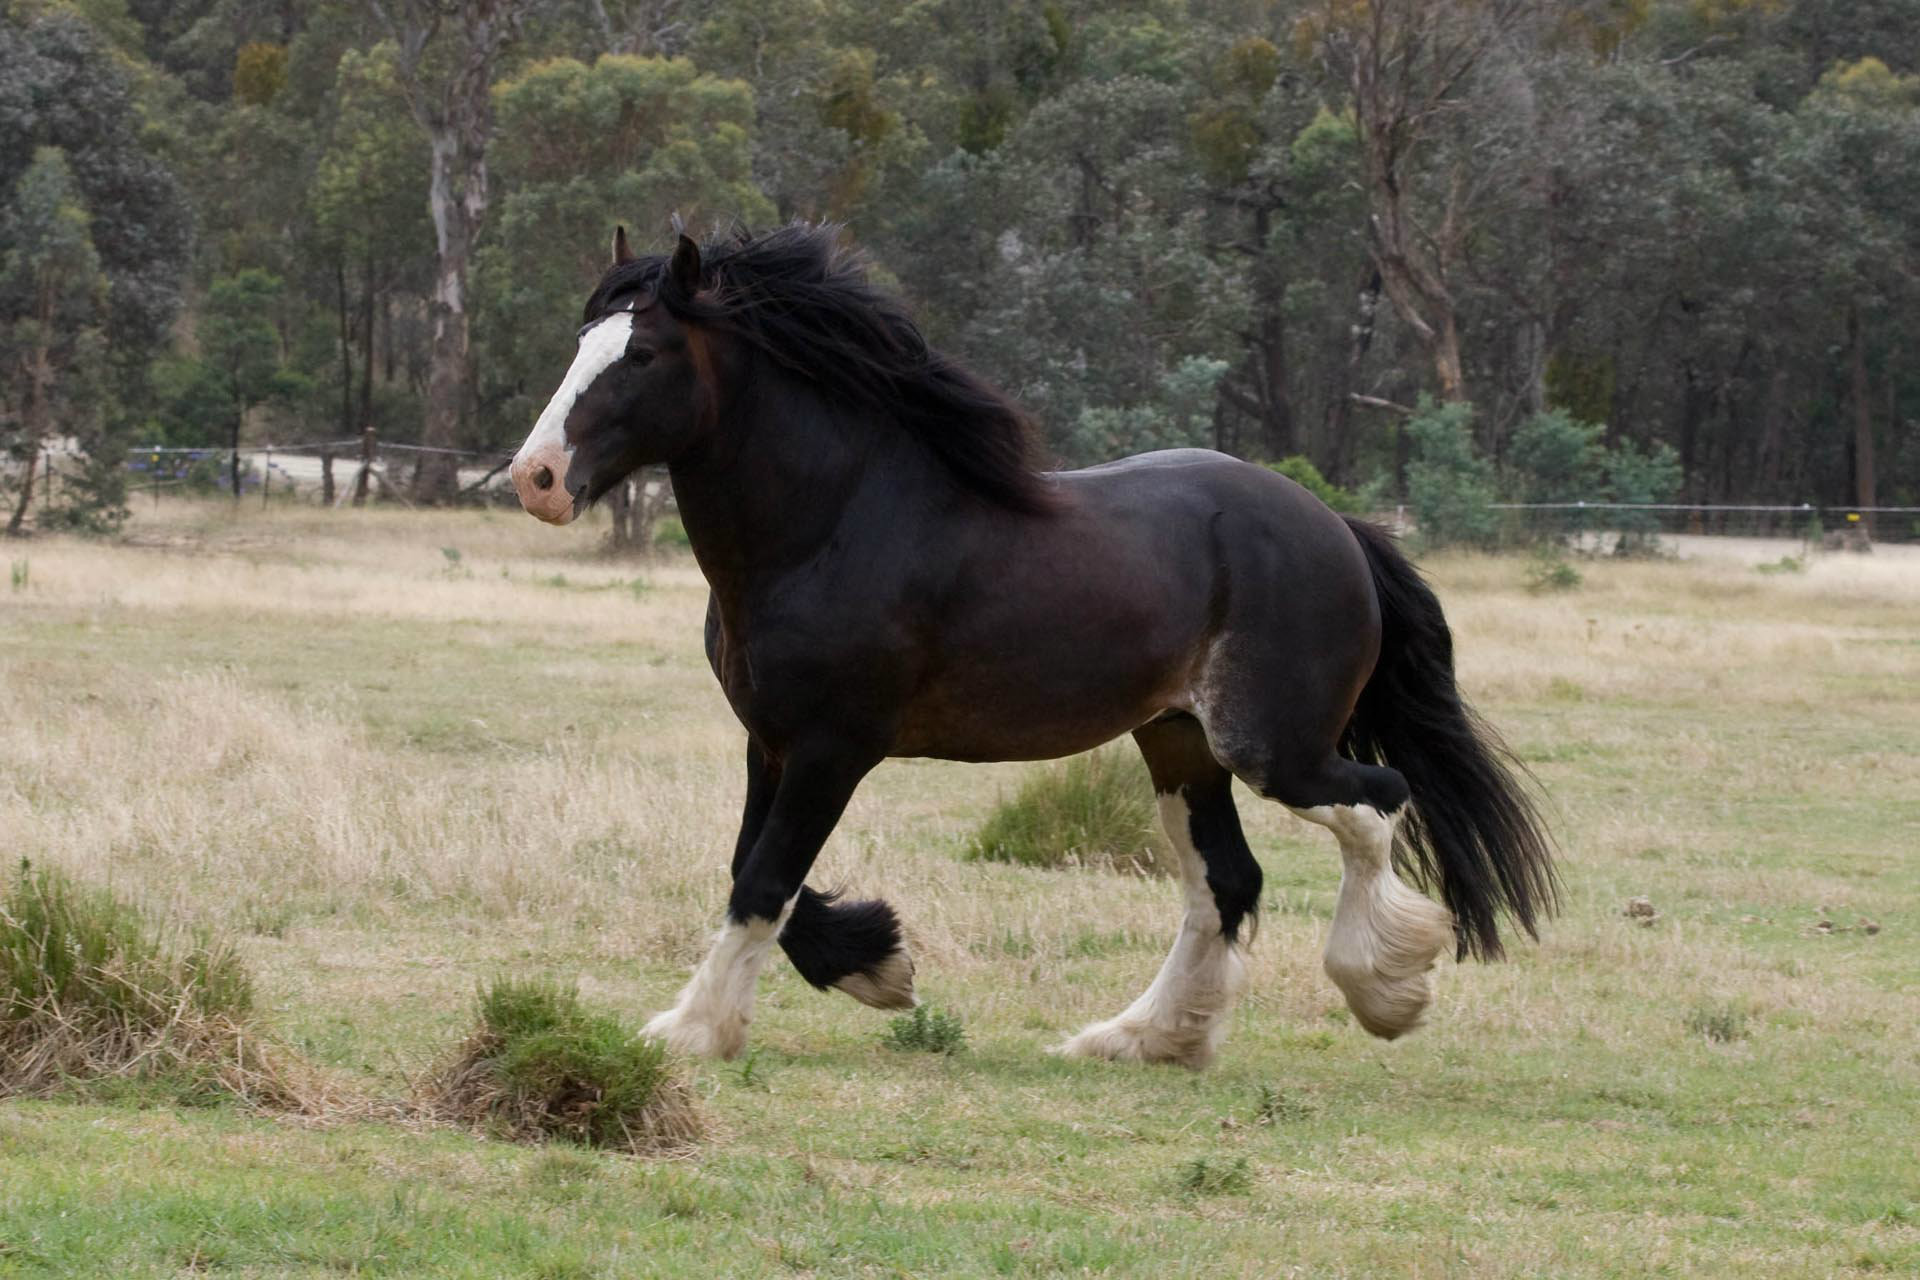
640,355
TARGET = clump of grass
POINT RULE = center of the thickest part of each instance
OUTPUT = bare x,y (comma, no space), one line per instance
539,1066
18,572
1204,1177
93,996
1785,564
1277,1106
1093,810
926,1030
1720,1021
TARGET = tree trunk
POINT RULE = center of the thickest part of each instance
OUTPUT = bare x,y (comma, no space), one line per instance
346,346
620,511
454,109
233,454
458,196
1339,419
1864,488
18,523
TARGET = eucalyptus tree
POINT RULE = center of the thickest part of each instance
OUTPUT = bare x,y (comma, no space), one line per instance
448,54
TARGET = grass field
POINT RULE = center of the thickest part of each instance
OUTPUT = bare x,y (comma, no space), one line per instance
400,754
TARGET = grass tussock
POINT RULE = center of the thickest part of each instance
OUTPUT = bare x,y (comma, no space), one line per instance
93,997
1095,810
539,1066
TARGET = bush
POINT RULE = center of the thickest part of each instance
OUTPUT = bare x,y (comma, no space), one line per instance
1449,485
540,1066
90,990
1301,471
668,532
1549,571
926,1030
1094,810
1637,477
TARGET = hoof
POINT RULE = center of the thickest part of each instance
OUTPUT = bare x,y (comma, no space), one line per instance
693,1038
888,985
1123,1040
1384,970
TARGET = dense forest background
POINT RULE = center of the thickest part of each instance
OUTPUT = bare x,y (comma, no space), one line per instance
1627,248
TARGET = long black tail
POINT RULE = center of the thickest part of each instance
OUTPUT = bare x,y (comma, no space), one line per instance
1472,834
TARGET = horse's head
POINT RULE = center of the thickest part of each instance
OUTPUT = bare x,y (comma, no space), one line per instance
639,390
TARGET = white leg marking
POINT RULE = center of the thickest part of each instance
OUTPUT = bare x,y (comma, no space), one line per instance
1182,1017
1385,936
710,1017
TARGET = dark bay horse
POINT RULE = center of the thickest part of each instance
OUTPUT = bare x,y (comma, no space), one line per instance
892,575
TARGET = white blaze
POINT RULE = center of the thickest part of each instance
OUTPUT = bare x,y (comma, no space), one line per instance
600,346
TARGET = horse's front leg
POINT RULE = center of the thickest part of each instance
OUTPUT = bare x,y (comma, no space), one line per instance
803,798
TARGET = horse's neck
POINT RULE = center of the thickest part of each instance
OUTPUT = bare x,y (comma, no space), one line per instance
773,495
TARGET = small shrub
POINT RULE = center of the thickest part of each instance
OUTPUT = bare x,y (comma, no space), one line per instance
1785,564
1301,471
92,994
926,1030
1720,1021
17,573
669,532
1093,810
539,1066
1203,1177
1449,483
1547,571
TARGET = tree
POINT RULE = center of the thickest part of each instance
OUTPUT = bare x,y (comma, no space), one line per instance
448,55
52,293
60,87
241,355
1405,66
627,140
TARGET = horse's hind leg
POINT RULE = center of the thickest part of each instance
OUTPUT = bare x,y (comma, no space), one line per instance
1385,936
1182,1017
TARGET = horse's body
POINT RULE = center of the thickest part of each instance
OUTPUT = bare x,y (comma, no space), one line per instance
880,589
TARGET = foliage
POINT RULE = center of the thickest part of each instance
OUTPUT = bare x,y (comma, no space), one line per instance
926,1030
1641,476
538,1065
1301,471
1679,223
1093,810
1449,484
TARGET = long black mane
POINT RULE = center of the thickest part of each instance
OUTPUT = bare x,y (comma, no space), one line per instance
805,301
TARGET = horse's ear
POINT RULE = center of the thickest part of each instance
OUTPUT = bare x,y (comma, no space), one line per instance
622,251
685,267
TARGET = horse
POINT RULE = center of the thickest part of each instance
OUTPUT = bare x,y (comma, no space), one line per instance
893,574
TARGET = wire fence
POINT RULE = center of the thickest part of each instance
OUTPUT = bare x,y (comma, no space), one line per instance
1601,524
356,470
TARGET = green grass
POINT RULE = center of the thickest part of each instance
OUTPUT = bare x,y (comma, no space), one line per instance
393,784
1091,810
926,1030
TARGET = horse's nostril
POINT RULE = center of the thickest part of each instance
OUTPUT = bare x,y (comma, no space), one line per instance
543,479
